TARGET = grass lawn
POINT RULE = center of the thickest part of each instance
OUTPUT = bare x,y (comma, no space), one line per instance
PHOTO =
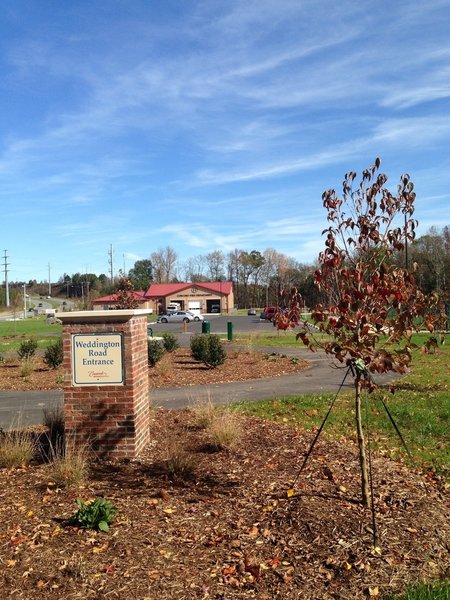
425,592
12,333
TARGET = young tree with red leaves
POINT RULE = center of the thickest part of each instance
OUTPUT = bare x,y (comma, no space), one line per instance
125,296
373,305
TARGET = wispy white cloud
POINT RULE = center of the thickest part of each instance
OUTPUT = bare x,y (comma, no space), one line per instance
144,127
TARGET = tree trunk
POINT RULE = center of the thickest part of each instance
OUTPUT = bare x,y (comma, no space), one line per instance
361,444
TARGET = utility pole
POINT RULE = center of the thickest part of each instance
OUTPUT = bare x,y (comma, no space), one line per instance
24,300
111,263
6,265
49,281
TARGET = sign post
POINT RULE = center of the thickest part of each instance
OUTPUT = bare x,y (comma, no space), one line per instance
106,392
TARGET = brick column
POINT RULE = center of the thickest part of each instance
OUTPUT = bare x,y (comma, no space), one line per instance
113,419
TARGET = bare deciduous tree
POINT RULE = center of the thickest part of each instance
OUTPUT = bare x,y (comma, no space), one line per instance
164,264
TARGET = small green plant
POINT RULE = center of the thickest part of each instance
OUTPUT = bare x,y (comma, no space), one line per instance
53,356
208,349
170,342
98,514
155,351
17,448
27,349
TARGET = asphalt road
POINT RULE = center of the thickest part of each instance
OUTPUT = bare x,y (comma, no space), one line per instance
218,325
26,408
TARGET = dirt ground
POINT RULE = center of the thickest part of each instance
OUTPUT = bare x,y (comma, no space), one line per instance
229,530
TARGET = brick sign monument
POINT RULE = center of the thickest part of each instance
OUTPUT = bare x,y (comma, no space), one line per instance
106,393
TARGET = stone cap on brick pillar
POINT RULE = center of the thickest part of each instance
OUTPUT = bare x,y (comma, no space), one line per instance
116,315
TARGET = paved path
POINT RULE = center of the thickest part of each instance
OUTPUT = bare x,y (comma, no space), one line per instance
26,408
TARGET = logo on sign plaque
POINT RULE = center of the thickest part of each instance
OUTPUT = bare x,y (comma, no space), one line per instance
97,359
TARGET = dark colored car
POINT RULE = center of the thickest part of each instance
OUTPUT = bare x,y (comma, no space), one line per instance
269,312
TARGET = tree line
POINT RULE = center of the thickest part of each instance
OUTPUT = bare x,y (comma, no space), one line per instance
259,278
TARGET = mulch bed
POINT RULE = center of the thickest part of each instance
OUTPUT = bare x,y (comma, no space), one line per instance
179,369
230,531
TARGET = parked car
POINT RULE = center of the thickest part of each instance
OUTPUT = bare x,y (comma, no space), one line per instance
269,312
215,308
179,317
251,312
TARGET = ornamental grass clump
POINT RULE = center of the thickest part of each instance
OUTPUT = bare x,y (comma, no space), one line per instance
203,412
17,448
178,463
69,463
224,429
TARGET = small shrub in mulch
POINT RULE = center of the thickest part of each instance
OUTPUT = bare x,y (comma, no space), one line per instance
27,349
208,349
54,355
170,342
155,351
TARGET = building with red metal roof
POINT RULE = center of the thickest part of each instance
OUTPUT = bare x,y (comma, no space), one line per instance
198,297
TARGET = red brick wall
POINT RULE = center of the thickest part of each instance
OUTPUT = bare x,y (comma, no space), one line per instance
114,419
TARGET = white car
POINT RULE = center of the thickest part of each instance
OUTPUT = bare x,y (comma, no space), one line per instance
180,317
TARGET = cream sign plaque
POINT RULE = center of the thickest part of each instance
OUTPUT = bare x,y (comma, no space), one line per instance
97,359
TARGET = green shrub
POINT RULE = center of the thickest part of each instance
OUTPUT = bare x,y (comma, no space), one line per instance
199,345
54,354
170,342
27,349
94,515
155,351
208,349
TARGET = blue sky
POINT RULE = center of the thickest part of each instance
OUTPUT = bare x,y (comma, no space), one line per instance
210,124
